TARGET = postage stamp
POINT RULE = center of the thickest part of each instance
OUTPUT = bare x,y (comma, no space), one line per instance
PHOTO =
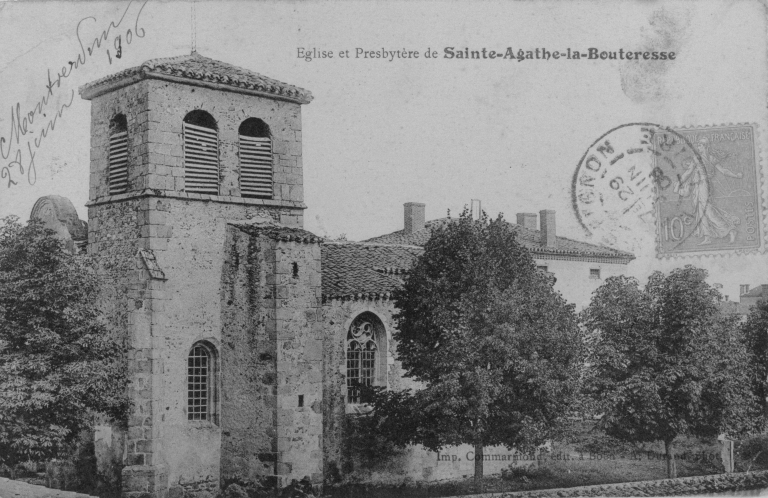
696,190
709,200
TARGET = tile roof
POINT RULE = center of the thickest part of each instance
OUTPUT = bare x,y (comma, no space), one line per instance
759,291
278,232
528,238
195,69
352,270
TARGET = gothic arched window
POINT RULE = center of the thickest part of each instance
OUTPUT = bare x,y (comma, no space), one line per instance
255,159
364,355
118,155
201,153
201,383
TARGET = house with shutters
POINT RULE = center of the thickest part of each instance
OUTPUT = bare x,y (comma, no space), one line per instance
247,334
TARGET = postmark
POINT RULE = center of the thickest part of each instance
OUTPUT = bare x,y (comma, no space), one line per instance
689,190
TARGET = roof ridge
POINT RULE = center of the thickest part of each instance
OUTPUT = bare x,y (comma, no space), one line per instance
173,58
370,244
199,70
592,249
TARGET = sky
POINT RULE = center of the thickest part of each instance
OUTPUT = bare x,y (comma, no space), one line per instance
383,132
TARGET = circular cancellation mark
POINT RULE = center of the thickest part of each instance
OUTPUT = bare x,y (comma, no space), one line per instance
690,190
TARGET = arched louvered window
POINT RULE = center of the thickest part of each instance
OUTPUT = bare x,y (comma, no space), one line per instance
255,159
364,355
201,383
201,153
118,155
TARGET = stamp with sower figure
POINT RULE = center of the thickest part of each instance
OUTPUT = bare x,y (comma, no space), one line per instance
711,200
697,189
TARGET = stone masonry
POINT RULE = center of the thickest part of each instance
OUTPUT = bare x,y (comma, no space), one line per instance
272,370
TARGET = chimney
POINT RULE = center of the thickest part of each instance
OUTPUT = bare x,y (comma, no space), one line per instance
413,216
476,210
528,220
743,289
548,238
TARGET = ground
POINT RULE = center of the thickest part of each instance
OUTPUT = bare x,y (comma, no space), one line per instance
21,489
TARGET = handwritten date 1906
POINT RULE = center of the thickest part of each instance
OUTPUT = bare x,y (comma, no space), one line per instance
13,145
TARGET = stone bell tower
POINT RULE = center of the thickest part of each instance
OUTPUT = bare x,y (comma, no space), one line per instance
181,148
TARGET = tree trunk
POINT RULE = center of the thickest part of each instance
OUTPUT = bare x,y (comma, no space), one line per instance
478,467
671,464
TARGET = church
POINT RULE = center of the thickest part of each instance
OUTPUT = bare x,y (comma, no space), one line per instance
247,334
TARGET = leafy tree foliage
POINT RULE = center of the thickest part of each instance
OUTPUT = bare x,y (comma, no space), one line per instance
496,349
755,331
58,365
665,362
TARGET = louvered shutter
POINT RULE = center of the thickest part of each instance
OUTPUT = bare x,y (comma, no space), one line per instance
201,160
118,163
255,166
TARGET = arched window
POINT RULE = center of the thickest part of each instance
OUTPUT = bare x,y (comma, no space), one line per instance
118,155
201,153
201,383
366,356
255,159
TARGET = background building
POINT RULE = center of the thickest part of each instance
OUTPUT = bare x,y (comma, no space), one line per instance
579,267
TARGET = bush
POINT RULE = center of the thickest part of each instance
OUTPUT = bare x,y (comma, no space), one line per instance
235,491
524,474
366,443
752,453
586,437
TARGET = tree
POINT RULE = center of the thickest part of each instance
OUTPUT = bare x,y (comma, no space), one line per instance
58,364
664,362
755,331
496,349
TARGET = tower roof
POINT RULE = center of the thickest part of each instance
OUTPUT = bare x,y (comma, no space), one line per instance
198,70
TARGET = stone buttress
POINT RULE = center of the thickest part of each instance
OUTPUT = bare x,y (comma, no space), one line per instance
272,357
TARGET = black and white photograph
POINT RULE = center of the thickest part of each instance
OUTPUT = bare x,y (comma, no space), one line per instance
342,249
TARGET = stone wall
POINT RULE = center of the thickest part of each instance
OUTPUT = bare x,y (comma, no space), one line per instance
249,366
714,485
114,239
272,361
299,361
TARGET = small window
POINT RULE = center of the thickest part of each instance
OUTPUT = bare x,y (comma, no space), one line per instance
201,153
594,273
255,159
201,383
118,155
542,268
